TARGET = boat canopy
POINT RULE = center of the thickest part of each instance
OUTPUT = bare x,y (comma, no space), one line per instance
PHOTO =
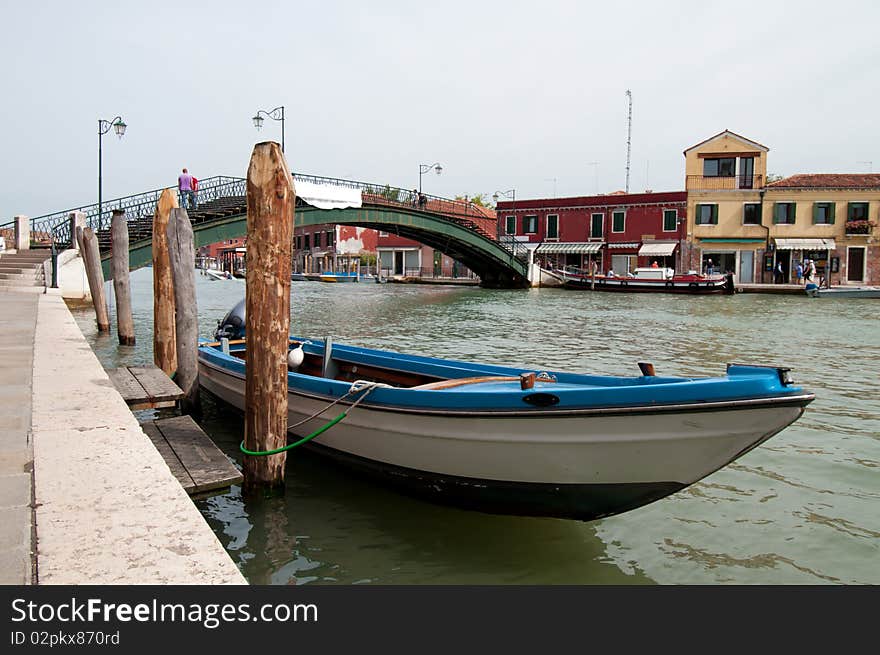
571,247
657,249
805,244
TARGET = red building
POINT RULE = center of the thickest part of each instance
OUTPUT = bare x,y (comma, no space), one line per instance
618,231
331,248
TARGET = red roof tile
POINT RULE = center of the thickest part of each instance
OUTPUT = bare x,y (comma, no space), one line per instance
828,181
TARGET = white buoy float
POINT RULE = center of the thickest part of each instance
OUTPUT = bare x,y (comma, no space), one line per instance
295,357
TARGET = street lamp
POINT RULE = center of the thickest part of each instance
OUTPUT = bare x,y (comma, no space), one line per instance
510,193
104,126
276,114
424,168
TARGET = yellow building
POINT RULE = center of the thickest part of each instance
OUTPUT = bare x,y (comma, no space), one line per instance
752,229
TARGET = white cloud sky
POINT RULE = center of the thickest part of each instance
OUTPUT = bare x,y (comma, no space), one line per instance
503,94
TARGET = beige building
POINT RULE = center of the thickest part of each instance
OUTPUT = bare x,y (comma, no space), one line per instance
741,224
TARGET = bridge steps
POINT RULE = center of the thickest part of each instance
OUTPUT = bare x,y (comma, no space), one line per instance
23,269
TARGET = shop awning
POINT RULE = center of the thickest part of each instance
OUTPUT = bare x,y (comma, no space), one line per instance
805,244
657,249
570,248
623,245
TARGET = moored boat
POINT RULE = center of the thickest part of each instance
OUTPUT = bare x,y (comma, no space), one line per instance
662,280
338,277
815,291
518,440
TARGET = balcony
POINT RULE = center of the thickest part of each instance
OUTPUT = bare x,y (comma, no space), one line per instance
860,227
726,183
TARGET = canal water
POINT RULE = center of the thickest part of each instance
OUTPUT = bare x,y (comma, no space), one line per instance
800,509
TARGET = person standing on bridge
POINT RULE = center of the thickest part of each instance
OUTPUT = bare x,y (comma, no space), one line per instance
185,187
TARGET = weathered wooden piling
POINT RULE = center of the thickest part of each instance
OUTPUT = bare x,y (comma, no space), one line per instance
270,206
92,258
182,256
164,334
121,282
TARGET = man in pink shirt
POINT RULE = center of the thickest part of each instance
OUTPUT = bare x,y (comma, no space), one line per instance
185,187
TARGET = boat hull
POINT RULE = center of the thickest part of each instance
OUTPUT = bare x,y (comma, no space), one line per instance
692,285
572,464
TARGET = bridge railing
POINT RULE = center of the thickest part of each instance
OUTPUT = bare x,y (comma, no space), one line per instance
142,206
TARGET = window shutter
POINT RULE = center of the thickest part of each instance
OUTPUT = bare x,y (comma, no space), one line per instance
831,207
793,212
815,213
776,213
714,214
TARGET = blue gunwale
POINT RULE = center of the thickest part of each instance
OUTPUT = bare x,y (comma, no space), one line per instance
755,384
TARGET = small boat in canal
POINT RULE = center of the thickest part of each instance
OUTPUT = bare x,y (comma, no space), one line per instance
515,440
815,291
657,280
339,277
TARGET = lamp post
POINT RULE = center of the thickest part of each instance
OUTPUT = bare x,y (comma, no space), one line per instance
276,114
424,168
510,193
104,126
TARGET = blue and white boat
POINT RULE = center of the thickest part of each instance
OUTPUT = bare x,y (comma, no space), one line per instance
515,440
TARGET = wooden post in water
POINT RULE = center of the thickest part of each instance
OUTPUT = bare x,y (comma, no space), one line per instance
121,283
270,202
164,334
92,259
182,256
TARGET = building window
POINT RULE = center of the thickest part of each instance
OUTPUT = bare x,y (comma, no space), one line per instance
752,213
331,237
596,221
552,226
721,167
823,213
317,239
857,211
784,213
510,225
306,241
299,243
618,221
670,220
707,215
530,224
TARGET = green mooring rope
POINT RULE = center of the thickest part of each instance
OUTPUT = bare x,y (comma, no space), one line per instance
356,387
263,453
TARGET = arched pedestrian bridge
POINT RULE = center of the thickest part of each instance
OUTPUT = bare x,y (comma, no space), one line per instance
455,228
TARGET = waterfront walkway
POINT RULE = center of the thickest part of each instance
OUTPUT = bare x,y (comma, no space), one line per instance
85,498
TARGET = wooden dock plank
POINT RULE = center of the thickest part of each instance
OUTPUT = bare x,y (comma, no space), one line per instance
158,385
126,384
177,469
208,467
145,387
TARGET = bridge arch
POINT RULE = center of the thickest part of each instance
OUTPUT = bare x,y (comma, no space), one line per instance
496,266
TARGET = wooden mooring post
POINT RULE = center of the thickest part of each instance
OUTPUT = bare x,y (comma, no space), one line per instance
270,206
164,333
121,282
92,258
182,256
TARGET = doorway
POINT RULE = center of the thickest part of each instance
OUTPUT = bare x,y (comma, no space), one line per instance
746,266
783,257
855,264
398,262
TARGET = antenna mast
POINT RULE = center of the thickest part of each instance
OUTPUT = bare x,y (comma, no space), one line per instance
629,126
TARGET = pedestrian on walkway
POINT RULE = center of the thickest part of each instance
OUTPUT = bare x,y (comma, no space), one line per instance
799,270
185,188
780,273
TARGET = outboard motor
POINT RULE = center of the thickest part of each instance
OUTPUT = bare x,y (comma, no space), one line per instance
232,325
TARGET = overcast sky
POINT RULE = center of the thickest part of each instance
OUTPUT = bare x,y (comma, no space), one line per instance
504,95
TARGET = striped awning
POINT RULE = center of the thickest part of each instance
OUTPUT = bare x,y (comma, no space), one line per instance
623,245
657,249
805,244
571,248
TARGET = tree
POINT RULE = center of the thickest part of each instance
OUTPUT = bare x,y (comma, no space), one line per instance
480,200
773,177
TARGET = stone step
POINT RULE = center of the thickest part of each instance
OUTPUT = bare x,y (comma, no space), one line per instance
17,276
